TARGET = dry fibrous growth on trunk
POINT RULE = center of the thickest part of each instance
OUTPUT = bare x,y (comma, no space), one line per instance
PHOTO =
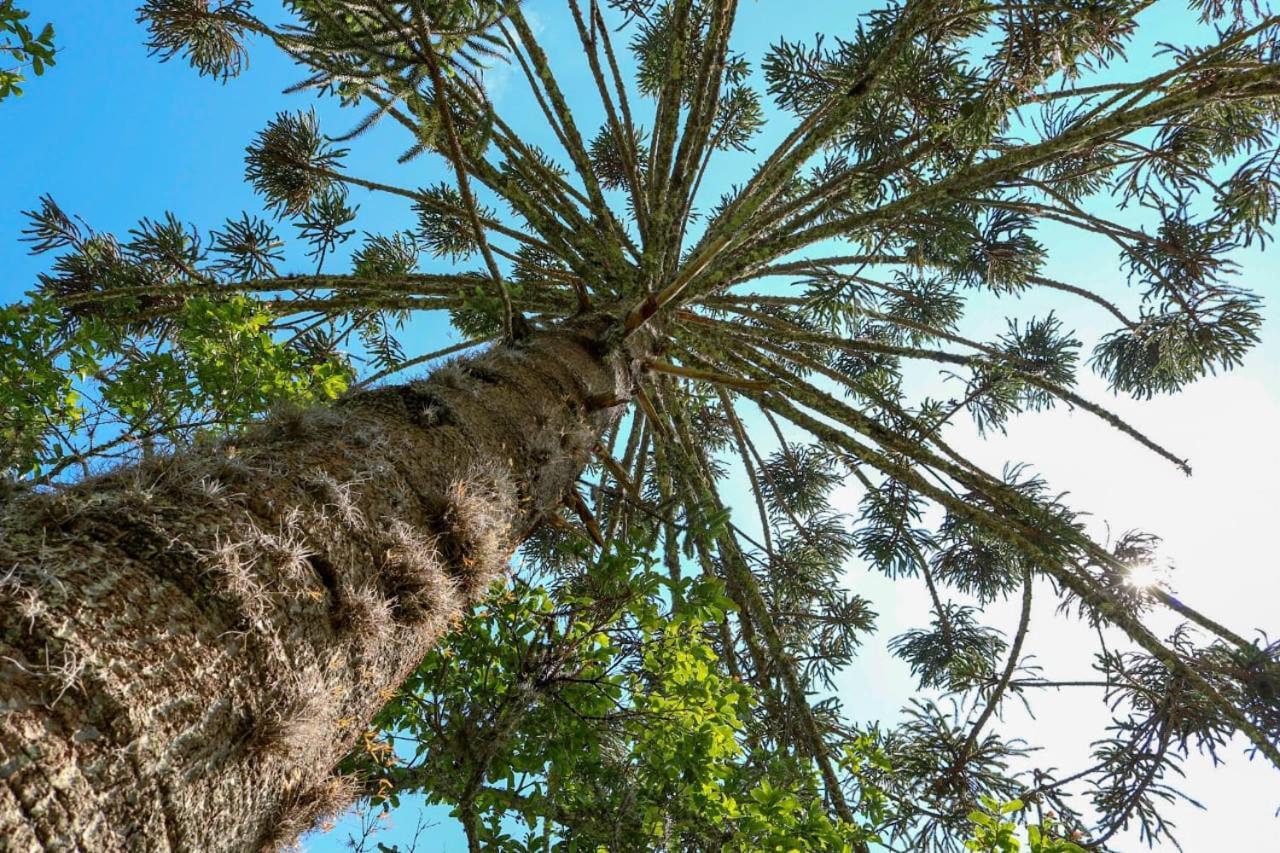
207,632
285,510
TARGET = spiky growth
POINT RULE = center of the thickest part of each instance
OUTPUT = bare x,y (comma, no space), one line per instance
928,144
207,34
283,583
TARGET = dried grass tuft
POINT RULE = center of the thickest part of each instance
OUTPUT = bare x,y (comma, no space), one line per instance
292,422
366,614
305,809
287,550
337,497
476,529
231,468
233,561
296,721
455,375
431,415
413,575
543,449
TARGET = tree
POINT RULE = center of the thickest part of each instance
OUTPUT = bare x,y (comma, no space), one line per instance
195,639
22,46
594,711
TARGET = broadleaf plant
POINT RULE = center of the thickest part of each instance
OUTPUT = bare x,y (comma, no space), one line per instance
21,48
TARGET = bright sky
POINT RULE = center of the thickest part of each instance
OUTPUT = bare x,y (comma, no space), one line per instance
113,136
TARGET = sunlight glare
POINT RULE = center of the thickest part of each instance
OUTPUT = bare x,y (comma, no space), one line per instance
1143,576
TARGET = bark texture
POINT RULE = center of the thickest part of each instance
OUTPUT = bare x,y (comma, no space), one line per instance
187,648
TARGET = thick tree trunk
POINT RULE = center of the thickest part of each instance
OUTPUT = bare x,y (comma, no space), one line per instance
187,648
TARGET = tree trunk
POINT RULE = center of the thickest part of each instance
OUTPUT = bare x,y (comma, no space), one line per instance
188,647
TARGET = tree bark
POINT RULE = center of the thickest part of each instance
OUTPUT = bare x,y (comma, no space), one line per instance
189,646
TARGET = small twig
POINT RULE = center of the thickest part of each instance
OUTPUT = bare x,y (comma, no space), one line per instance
646,406
616,469
705,375
579,505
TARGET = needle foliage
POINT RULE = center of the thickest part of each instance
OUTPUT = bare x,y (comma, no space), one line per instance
660,673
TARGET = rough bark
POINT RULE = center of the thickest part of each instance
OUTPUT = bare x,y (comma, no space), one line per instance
188,647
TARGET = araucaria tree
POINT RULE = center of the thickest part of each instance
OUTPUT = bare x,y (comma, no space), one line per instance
229,533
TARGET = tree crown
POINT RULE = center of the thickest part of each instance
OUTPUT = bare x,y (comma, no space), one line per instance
927,145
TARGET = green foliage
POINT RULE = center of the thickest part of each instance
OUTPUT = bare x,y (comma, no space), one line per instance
480,314
1168,350
1044,357
955,653
442,225
249,248
289,161
994,833
207,35
608,157
323,224
596,714
20,44
231,363
218,367
672,687
38,397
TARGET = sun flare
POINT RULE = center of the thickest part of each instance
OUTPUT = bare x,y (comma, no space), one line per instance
1143,576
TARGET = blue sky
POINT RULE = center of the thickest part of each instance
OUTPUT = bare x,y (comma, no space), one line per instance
114,135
